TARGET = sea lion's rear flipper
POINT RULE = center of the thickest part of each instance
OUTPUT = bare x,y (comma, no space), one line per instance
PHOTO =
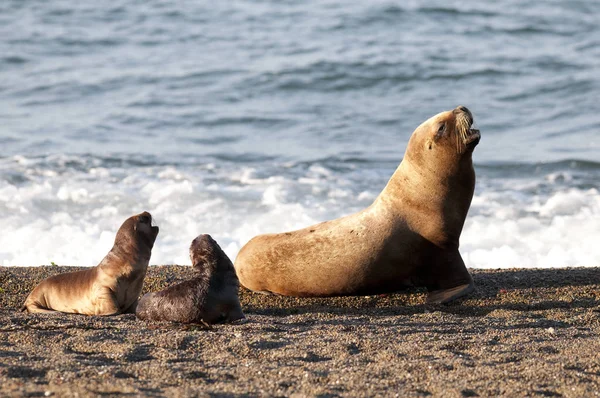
447,295
36,302
35,308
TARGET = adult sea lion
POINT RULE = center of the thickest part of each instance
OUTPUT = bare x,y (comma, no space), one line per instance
112,287
211,296
407,237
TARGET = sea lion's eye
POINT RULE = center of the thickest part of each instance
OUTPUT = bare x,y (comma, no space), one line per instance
441,129
144,219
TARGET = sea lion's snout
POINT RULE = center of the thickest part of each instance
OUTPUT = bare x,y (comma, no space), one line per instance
465,112
464,122
145,218
153,225
474,137
145,222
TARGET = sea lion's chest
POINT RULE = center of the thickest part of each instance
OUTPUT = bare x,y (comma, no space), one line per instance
124,286
128,288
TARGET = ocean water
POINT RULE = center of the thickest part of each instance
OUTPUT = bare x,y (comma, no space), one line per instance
244,117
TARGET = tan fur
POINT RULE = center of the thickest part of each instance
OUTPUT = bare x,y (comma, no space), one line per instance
408,236
110,288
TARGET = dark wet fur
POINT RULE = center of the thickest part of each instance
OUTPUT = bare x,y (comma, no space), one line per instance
209,297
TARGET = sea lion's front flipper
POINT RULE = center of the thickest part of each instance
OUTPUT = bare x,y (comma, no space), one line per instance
106,304
446,278
234,313
131,309
447,295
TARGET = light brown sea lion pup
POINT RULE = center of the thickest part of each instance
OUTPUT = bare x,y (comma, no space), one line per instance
407,237
112,287
211,296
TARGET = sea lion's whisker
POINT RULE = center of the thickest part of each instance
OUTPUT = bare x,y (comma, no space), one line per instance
462,132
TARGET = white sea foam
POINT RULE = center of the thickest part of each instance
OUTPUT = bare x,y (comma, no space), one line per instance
559,230
70,215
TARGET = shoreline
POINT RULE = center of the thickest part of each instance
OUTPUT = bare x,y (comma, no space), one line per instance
523,332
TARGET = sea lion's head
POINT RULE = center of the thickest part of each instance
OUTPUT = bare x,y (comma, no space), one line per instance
137,229
215,280
205,252
447,137
144,228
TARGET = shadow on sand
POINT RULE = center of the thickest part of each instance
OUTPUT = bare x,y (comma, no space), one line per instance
492,287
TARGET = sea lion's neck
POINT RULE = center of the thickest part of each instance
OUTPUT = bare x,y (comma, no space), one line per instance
433,202
122,261
205,270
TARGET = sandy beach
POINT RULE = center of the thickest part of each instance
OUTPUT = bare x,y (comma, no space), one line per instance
523,333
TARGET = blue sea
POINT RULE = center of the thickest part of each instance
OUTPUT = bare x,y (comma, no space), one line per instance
236,118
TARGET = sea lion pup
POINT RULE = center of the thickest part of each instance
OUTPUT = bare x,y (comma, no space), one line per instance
407,237
211,296
112,287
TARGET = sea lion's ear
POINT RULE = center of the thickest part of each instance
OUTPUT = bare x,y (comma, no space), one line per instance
429,144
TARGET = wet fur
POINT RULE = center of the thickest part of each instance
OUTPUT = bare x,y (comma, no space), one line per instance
211,296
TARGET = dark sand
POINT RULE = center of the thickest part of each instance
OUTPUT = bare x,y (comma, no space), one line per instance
523,333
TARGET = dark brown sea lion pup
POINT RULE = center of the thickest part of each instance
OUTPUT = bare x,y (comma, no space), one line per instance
407,237
211,296
112,287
